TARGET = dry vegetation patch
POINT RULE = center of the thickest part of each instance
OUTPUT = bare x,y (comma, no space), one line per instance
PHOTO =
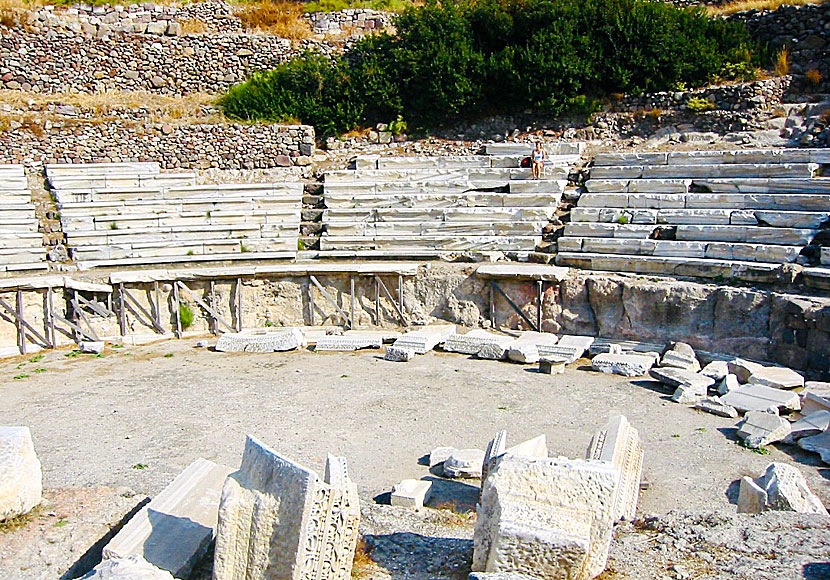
280,18
744,5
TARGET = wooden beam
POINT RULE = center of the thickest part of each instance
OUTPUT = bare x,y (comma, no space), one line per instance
151,322
208,309
392,300
513,305
330,300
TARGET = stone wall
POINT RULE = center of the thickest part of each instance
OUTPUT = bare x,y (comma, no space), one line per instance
351,21
62,61
762,324
732,97
805,31
190,146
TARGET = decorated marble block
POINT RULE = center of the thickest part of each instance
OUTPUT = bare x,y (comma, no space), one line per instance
280,521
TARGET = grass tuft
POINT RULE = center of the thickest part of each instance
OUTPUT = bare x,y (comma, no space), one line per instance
362,560
744,5
12,524
782,62
280,18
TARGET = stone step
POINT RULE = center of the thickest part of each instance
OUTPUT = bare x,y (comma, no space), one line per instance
439,175
795,201
14,197
185,248
22,240
424,201
434,229
714,250
673,266
772,185
178,206
73,223
442,243
737,170
450,187
196,258
748,234
15,225
638,185
23,255
84,169
40,264
525,149
174,193
817,277
467,214
744,156
825,256
774,218
13,183
122,181
11,170
169,233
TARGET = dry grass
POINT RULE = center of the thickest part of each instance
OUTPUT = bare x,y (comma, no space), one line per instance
813,77
449,514
18,522
362,563
193,26
743,5
280,18
782,62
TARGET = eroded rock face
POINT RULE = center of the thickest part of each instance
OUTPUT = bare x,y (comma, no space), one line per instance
20,477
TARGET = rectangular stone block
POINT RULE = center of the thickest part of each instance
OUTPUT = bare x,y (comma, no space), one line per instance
474,341
549,518
278,520
760,398
628,365
619,444
262,341
411,493
426,338
176,528
334,343
21,484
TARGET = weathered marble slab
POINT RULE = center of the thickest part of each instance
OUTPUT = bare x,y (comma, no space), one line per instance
628,365
760,428
760,398
549,518
618,443
426,338
411,493
777,377
175,529
474,341
21,484
278,520
262,341
781,487
345,343
131,568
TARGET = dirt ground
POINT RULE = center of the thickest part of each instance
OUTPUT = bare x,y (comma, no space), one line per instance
136,416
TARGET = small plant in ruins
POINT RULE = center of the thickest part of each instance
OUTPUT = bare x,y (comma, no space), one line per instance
186,315
782,62
813,77
698,104
623,219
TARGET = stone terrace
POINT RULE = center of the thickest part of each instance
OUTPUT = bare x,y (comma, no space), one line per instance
732,214
21,246
426,206
131,214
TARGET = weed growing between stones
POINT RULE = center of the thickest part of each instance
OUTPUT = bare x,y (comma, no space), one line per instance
186,315
15,523
363,561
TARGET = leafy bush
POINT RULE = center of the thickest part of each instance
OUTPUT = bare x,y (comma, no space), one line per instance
698,105
335,5
454,61
186,316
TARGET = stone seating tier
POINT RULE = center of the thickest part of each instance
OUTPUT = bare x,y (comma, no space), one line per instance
732,214
21,246
184,192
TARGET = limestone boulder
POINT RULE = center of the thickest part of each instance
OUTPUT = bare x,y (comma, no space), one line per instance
782,488
777,377
743,369
759,429
717,370
728,383
717,407
21,484
810,425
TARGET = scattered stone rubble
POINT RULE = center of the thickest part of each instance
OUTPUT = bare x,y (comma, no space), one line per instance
782,487
21,485
759,429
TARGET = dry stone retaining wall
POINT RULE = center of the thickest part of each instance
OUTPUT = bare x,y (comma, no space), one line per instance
62,61
192,146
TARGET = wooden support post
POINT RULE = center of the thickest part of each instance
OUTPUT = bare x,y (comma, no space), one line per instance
310,294
50,313
514,306
213,316
492,306
157,305
239,322
539,295
122,310
392,299
377,301
351,299
177,306
21,331
400,300
212,299
331,300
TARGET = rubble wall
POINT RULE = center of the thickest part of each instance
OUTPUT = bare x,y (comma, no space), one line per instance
762,324
187,146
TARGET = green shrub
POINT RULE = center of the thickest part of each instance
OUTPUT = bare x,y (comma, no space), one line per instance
186,316
698,105
451,62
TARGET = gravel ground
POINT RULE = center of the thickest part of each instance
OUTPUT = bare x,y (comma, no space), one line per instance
137,415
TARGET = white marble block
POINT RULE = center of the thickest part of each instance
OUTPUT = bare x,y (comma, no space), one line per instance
619,444
20,477
278,520
175,529
262,341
